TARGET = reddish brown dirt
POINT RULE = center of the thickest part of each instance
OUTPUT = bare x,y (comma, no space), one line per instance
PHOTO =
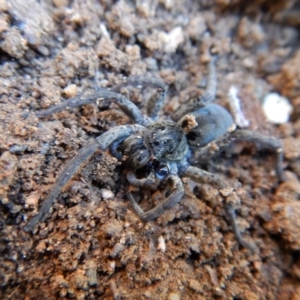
95,248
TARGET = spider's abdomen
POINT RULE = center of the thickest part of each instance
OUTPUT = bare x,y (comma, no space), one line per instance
211,122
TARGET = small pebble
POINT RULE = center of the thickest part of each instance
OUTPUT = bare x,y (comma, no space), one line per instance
161,244
107,194
70,91
60,3
3,26
174,296
277,108
174,39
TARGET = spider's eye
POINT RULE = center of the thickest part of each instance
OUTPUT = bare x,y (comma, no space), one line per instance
162,171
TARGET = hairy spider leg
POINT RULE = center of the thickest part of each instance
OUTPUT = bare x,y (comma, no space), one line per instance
64,177
102,142
206,152
117,133
201,176
204,177
208,96
129,108
273,144
266,142
114,149
232,217
156,102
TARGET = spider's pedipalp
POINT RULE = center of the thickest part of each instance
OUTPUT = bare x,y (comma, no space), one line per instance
177,193
147,181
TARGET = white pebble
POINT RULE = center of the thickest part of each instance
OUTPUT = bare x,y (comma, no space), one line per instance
104,30
173,39
112,266
70,91
107,194
277,108
174,296
161,244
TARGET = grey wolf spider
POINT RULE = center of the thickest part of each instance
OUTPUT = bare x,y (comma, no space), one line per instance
163,147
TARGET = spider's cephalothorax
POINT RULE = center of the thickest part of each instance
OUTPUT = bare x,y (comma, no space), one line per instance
163,147
160,140
166,140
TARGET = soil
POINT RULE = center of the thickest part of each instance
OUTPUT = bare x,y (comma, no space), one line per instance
92,245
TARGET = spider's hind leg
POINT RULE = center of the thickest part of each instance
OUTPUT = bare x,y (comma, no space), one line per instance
226,192
208,96
232,217
270,143
266,142
156,102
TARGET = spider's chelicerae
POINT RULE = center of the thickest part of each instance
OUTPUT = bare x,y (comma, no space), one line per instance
163,147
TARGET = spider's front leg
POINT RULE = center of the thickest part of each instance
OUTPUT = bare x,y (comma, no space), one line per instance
177,192
128,107
102,142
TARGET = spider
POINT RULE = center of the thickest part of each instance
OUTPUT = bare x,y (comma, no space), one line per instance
163,149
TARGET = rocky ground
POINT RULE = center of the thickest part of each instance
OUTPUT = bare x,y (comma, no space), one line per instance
92,245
